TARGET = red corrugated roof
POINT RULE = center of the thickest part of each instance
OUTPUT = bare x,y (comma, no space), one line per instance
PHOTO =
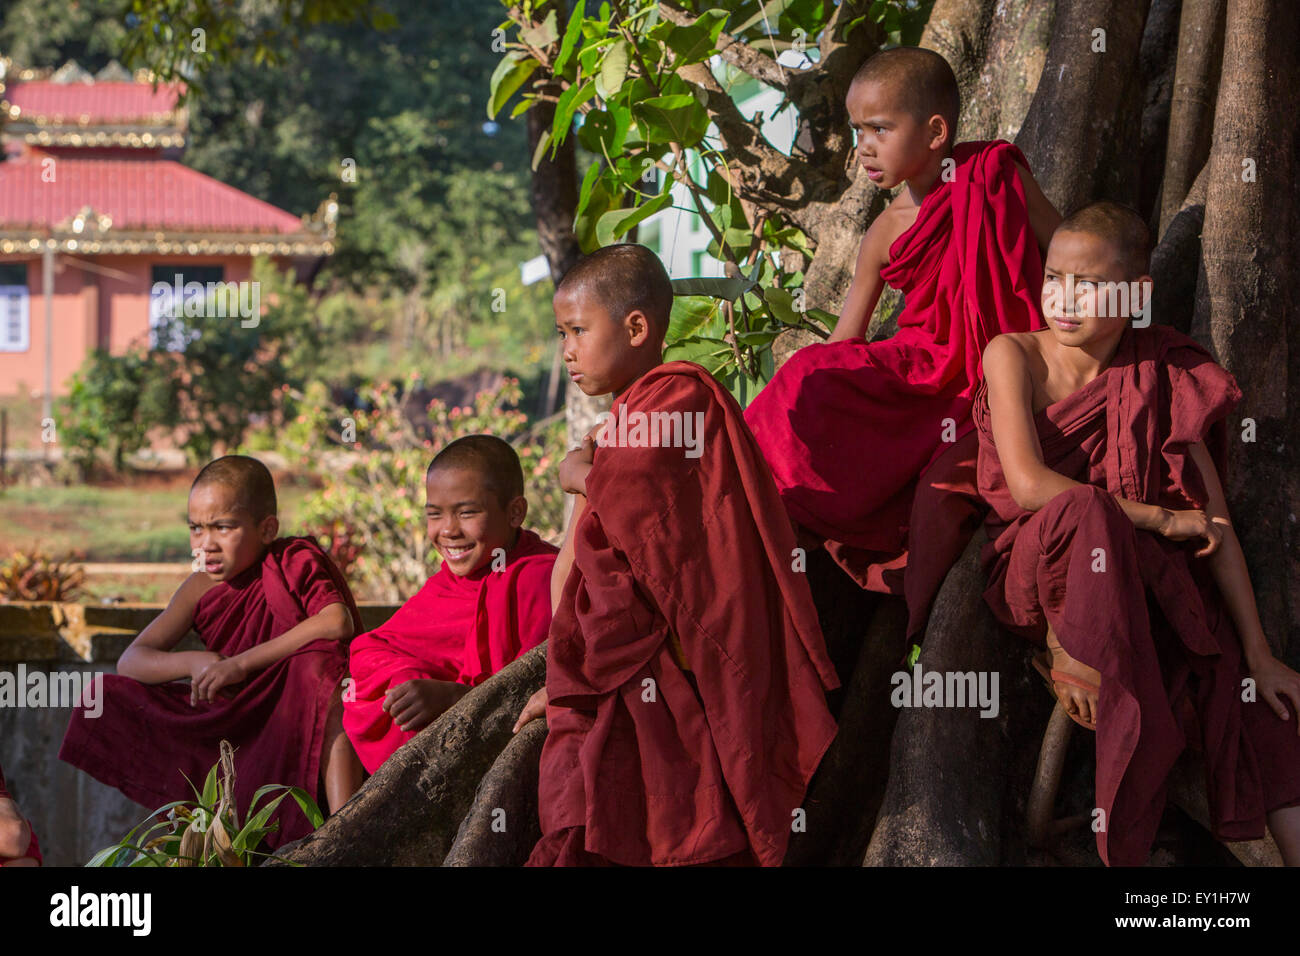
107,103
137,193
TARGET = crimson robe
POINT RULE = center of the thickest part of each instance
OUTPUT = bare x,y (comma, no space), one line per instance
645,762
848,426
461,629
149,738
33,847
1168,678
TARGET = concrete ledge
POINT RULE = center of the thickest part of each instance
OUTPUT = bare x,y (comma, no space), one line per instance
43,631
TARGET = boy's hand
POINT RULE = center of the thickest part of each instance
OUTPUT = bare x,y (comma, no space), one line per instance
415,704
1275,683
216,675
534,708
574,467
1184,525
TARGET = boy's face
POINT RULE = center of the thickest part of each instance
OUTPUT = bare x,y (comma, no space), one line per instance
226,535
466,521
601,353
893,145
1088,296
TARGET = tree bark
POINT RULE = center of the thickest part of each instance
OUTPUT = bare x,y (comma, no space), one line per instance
410,812
1246,308
1085,115
501,827
1191,110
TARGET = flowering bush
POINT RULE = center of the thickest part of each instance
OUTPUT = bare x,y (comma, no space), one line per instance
371,462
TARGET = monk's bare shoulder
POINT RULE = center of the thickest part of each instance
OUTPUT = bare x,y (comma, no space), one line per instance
898,217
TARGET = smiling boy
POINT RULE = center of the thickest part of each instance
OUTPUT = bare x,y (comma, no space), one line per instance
848,426
1101,446
488,603
275,615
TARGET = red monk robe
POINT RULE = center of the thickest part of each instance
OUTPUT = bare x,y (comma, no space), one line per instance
461,629
691,768
149,738
1170,678
33,848
848,427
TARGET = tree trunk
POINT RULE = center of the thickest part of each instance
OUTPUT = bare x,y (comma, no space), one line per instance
411,811
1246,309
1191,110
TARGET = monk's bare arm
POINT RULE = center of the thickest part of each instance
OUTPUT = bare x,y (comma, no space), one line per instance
1043,217
150,658
331,623
564,560
1228,564
15,834
864,291
1011,402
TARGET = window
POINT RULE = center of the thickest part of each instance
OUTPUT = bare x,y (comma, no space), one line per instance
164,280
15,308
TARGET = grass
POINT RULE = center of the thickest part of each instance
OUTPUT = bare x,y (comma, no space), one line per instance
111,524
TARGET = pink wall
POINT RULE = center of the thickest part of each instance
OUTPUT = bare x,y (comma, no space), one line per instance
92,309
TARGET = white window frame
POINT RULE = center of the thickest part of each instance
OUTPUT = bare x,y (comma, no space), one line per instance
8,294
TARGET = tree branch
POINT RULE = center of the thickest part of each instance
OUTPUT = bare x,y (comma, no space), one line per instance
737,52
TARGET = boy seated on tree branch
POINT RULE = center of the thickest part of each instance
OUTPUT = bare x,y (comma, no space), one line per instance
1102,443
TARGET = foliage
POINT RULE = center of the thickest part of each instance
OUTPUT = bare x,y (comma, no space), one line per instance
113,403
35,576
374,492
207,831
615,73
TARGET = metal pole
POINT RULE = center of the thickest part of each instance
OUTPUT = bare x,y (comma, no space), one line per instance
47,280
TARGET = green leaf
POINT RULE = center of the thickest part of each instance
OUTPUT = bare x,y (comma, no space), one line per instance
571,34
569,102
584,193
544,34
543,142
509,75
603,131
914,655
677,118
613,69
767,12
209,797
618,222
694,315
694,43
827,319
719,287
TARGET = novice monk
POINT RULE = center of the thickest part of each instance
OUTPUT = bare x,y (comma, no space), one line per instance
848,426
18,846
489,602
275,614
1100,449
685,669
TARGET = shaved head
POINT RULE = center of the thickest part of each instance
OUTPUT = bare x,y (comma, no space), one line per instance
919,81
494,460
246,478
1120,227
624,278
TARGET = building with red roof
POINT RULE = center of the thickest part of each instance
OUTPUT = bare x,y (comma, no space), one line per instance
96,210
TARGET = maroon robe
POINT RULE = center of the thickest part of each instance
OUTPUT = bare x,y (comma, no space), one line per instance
149,738
855,431
1169,678
647,763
